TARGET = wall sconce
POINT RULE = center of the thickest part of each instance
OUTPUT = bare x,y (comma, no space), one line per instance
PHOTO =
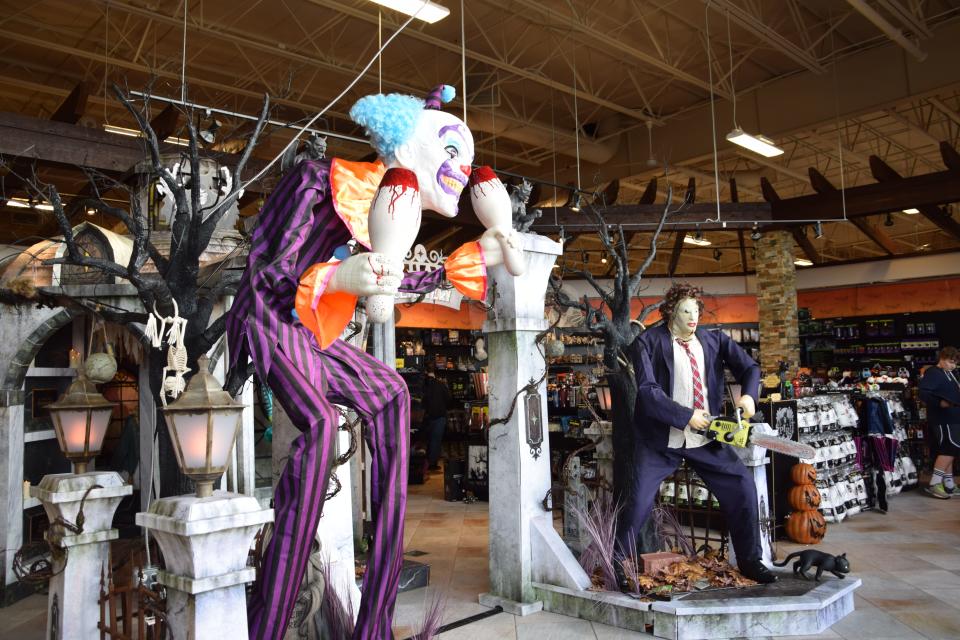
203,424
80,420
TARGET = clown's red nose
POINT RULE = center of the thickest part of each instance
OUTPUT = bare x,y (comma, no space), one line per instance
465,168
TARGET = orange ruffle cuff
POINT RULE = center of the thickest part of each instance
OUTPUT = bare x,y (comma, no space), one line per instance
325,314
467,270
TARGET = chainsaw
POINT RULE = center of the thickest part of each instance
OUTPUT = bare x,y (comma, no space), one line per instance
737,432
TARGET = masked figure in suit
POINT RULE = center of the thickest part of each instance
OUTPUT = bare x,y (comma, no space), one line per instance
679,374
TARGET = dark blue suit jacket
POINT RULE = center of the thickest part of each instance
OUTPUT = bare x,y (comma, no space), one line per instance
652,355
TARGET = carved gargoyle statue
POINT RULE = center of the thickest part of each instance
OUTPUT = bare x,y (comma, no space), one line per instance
522,221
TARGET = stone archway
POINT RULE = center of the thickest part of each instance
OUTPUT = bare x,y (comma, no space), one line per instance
29,346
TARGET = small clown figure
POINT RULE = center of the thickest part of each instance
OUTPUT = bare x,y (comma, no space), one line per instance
297,295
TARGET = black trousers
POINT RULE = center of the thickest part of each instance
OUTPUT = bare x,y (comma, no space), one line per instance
723,473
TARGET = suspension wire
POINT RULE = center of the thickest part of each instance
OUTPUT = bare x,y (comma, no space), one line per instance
320,113
836,111
713,118
183,55
733,85
380,57
576,119
463,59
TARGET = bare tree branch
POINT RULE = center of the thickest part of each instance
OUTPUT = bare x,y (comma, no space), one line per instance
237,188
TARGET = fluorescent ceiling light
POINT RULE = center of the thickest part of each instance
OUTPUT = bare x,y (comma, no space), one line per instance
133,133
421,9
700,242
911,211
20,203
803,262
757,144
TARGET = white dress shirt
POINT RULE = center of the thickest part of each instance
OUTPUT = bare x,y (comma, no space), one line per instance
683,435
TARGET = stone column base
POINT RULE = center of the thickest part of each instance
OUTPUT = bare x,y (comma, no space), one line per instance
73,600
205,544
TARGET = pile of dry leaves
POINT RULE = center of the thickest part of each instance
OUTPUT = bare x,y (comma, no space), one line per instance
695,574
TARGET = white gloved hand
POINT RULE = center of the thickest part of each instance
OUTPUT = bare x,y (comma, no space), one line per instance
367,274
748,406
504,245
700,420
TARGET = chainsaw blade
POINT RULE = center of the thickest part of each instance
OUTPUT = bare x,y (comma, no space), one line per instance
782,445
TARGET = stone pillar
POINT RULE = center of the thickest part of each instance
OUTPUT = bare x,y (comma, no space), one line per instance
756,460
777,300
205,544
11,486
524,547
73,609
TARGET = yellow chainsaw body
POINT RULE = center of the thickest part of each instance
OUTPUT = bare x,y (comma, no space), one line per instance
727,431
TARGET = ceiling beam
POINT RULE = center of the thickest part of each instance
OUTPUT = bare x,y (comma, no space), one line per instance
649,197
944,109
879,237
800,236
743,250
951,159
647,217
759,28
863,82
882,172
882,197
599,40
448,45
73,106
675,254
920,131
907,18
894,33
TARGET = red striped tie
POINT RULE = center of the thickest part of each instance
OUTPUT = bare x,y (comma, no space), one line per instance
697,383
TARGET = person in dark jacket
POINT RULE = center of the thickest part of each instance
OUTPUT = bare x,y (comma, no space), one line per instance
940,391
436,401
679,373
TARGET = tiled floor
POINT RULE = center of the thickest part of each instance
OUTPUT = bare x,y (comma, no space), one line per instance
908,559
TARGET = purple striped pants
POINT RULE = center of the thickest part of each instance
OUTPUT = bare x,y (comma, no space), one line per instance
307,391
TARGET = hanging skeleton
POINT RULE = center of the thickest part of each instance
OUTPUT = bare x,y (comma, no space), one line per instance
176,352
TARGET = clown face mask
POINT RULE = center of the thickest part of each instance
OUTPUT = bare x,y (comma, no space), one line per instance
440,153
685,318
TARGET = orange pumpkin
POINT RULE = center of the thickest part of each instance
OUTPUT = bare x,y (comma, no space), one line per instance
806,527
802,473
804,497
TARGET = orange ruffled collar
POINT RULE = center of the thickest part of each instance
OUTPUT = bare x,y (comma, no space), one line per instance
353,185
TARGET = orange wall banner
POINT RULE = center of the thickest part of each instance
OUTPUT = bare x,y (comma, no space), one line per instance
716,309
881,299
867,300
433,316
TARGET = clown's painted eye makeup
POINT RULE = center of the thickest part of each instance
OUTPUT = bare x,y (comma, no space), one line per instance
452,151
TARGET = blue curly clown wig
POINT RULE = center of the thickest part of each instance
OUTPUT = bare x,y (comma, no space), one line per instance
390,119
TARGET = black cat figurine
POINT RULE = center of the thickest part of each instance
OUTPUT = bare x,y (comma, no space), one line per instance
837,565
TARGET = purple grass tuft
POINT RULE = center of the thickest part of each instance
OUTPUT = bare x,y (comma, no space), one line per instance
670,532
600,520
432,617
337,616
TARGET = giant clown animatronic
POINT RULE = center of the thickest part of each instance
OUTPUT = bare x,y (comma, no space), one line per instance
297,295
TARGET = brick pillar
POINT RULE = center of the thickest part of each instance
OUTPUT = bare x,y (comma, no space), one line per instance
777,299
